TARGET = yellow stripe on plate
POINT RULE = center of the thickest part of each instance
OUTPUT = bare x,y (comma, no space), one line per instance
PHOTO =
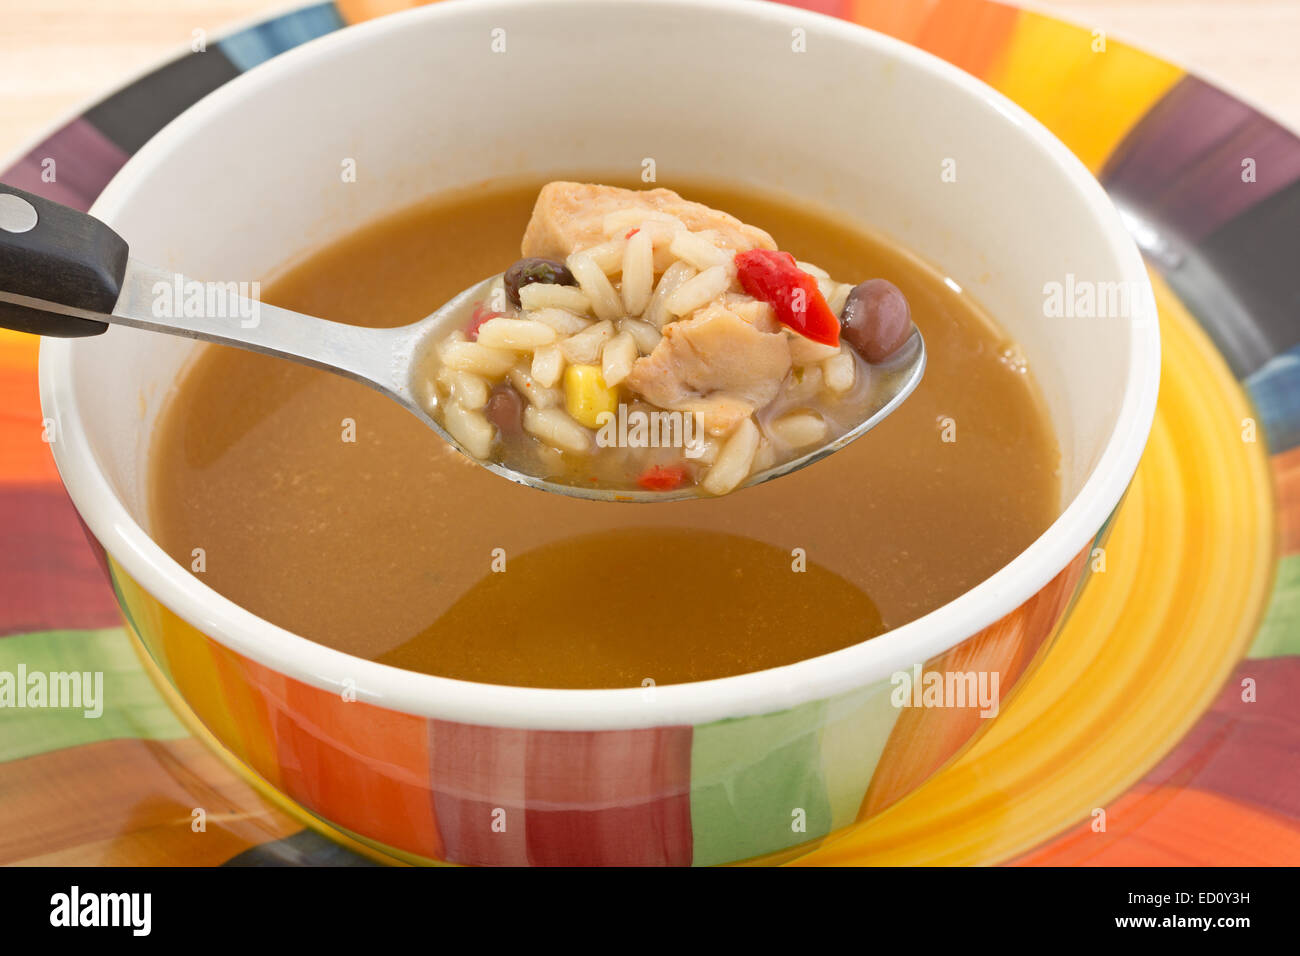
1188,566
1090,98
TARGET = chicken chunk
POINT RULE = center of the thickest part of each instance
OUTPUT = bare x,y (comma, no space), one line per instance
569,217
757,313
716,364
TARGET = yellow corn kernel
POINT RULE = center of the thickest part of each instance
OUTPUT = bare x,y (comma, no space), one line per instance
586,395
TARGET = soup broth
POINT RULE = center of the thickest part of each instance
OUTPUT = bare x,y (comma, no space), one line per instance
328,509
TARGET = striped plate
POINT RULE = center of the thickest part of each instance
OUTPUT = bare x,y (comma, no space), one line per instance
1162,727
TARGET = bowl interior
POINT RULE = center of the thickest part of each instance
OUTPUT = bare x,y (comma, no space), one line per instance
758,94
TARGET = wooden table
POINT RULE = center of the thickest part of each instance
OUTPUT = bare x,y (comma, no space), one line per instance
57,55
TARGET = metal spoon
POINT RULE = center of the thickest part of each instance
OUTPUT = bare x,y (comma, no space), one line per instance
66,274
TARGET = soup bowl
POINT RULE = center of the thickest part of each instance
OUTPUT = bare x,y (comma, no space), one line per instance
753,766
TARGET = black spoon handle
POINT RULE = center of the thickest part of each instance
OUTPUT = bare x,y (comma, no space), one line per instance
54,253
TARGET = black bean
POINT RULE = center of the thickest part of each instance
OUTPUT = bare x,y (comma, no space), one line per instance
876,319
527,271
505,409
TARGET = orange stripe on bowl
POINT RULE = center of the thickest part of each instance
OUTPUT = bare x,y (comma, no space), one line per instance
362,767
244,686
926,738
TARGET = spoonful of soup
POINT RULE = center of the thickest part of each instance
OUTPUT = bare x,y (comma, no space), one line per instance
645,348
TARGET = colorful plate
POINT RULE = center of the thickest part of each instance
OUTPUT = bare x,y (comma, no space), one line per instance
1160,729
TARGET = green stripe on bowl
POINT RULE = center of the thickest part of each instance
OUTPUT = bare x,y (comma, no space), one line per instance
753,779
131,705
1279,632
858,724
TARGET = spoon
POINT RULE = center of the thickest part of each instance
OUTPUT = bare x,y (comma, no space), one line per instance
65,274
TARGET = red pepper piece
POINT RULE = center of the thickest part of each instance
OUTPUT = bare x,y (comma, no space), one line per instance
632,232
480,315
773,277
662,477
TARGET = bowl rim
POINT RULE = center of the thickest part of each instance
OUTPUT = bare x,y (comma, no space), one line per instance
700,702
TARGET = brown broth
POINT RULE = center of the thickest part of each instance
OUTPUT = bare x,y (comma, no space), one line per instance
384,546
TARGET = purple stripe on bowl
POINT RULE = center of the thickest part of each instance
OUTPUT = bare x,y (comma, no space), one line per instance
72,166
1182,165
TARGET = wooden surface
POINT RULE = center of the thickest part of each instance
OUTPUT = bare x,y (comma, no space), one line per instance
56,55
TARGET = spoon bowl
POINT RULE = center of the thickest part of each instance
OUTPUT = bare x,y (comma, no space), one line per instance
893,381
64,273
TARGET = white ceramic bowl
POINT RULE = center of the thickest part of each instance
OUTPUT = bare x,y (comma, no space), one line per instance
250,177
